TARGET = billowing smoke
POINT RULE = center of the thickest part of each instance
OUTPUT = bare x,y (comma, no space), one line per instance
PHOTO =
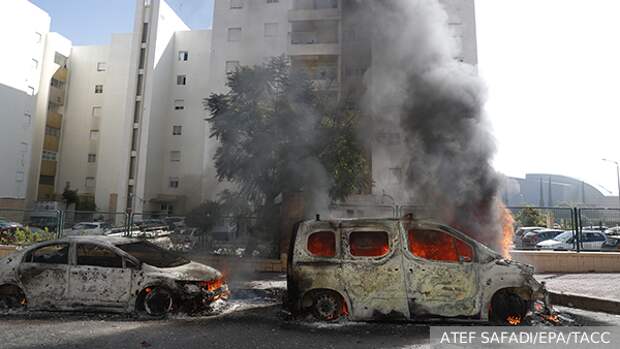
418,89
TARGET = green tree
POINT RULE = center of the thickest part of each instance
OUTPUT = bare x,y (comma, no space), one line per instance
70,197
280,134
530,217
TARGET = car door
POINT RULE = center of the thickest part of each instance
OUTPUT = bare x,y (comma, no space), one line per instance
98,278
594,241
43,274
440,273
372,272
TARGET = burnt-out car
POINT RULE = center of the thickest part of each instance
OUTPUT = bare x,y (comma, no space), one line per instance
109,274
370,269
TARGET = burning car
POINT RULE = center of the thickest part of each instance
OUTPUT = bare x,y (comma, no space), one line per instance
109,274
370,269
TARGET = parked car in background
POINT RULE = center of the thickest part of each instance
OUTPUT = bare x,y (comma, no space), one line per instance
595,227
522,231
151,223
107,274
612,244
175,222
7,225
89,228
590,240
530,239
613,231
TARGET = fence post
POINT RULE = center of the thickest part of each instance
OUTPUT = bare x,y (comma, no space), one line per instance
59,223
578,229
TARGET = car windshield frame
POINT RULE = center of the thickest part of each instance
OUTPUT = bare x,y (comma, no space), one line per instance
152,254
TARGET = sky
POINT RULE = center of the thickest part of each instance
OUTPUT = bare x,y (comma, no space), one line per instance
552,69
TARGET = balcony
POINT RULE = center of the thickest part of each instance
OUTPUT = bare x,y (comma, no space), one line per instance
297,15
315,4
54,119
57,95
51,143
312,43
48,168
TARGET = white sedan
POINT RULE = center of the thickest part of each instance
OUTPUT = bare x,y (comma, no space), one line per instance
590,240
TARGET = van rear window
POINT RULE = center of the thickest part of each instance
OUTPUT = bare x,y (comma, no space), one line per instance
322,244
369,243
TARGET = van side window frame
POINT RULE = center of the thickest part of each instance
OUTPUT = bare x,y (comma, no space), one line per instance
336,255
346,244
410,253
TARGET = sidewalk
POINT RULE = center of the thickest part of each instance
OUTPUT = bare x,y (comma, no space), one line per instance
595,292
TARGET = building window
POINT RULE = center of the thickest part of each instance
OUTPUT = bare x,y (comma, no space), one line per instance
181,79
53,107
27,120
46,180
183,56
49,155
175,156
232,66
92,158
96,111
179,104
145,32
234,34
37,37
271,30
52,131
273,1
101,66
94,135
19,176
134,139
98,88
173,182
139,85
136,112
57,83
176,130
90,182
236,4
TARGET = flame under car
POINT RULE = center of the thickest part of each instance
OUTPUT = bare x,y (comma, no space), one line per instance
115,274
372,269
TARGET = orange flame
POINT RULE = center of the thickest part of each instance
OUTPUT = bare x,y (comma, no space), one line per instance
507,230
513,320
552,318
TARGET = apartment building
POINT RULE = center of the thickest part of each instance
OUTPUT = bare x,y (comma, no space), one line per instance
124,123
135,123
326,39
32,95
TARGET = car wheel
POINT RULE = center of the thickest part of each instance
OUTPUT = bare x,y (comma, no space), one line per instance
508,309
158,301
326,306
12,297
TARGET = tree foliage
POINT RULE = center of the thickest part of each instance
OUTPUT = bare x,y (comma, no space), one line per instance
530,217
278,133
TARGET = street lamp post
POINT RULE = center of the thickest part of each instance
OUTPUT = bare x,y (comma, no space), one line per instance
617,176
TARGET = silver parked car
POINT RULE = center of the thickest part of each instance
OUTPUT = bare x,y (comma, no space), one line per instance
107,273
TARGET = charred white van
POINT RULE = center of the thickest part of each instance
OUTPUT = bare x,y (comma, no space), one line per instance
369,269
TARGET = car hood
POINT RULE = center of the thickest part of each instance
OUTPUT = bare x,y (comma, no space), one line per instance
192,271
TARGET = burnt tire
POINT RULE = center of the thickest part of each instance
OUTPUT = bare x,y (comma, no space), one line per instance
157,301
326,306
508,309
12,297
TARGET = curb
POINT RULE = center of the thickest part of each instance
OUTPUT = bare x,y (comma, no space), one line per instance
585,302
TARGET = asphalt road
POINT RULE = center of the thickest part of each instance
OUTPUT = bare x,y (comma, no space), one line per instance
254,320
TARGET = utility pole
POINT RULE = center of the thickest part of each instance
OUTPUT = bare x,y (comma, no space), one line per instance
617,176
